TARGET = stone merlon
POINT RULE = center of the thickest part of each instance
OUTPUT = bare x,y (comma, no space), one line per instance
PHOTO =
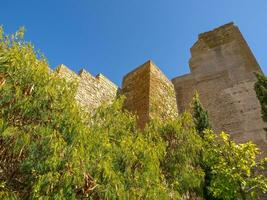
221,70
92,91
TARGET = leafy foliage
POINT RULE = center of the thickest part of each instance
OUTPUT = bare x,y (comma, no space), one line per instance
39,122
181,162
200,115
236,173
51,149
123,161
202,123
261,91
231,170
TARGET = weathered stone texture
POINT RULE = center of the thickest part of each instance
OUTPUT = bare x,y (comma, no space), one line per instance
135,87
92,91
162,100
222,67
149,93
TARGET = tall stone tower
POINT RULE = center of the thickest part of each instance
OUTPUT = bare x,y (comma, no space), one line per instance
222,67
149,93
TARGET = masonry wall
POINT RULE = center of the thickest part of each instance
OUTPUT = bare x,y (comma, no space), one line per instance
162,100
135,86
92,91
222,67
149,93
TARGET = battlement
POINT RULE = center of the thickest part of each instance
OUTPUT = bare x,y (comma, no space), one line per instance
216,37
92,91
222,67
221,30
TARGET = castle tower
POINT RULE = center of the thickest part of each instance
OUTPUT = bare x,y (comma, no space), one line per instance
149,93
222,67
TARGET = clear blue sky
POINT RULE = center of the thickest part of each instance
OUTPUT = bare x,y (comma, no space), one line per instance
115,36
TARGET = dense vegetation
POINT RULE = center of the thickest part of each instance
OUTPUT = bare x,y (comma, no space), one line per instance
261,91
50,149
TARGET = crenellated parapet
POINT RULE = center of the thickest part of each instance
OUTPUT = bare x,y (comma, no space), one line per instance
92,91
214,38
222,70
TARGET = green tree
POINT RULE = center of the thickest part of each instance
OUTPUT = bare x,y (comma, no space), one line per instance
51,150
124,161
180,164
200,116
261,91
202,123
236,171
40,124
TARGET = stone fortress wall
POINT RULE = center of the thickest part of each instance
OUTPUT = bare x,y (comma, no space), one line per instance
92,91
221,70
222,67
149,93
